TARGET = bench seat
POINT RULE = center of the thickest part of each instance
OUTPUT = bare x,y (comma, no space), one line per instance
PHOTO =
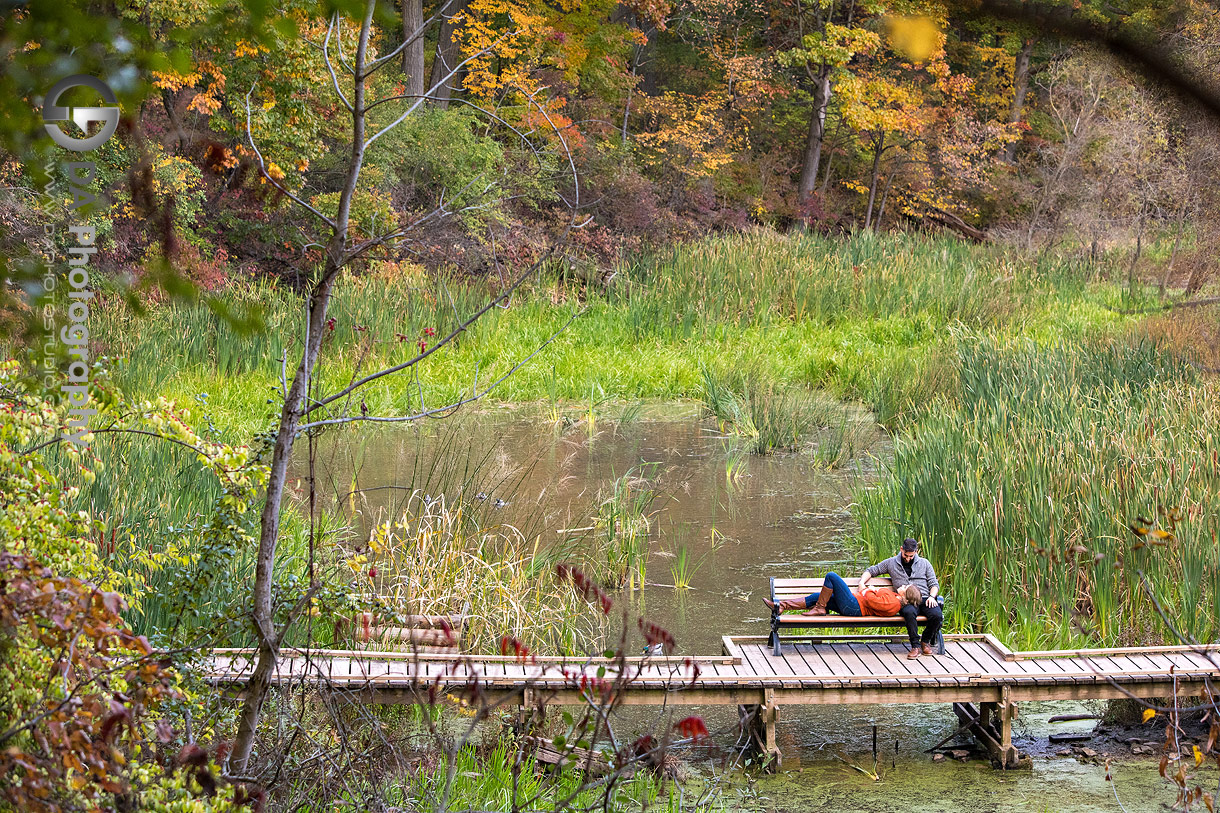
785,589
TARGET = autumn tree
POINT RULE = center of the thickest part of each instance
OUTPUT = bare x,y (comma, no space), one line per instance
344,244
832,35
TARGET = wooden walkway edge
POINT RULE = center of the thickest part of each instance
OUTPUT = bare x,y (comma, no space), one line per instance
978,674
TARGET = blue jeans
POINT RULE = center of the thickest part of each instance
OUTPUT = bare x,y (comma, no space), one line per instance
841,601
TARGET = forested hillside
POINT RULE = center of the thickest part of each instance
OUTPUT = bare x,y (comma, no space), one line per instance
1037,125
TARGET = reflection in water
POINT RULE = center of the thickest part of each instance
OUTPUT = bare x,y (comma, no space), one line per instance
740,519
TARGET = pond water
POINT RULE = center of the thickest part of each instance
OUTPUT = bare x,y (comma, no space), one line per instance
739,518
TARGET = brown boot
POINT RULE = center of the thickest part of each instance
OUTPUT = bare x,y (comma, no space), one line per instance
926,649
913,654
823,600
785,605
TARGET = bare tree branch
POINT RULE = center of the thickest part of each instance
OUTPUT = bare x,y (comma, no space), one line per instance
449,408
1153,61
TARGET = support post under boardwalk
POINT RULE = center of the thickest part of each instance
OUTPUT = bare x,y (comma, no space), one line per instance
991,725
1006,712
759,723
526,722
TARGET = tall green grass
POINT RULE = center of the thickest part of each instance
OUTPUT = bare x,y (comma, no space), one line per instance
762,279
851,316
495,780
621,527
1023,490
150,504
771,416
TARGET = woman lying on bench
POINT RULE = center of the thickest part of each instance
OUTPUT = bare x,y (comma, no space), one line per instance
836,596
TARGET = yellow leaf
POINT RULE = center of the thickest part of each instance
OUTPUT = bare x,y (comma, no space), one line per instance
1149,714
1198,756
916,37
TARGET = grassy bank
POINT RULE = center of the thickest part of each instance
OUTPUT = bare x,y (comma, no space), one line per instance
865,318
1057,479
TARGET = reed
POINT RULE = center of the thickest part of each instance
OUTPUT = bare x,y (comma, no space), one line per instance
763,278
1059,476
497,779
621,527
684,568
863,317
436,559
771,416
842,440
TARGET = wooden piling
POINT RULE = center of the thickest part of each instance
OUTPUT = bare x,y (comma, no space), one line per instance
759,722
991,725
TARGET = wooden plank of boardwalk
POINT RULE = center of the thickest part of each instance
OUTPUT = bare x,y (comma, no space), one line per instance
821,669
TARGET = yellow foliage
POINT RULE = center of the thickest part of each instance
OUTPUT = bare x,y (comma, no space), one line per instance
691,138
244,48
496,37
916,37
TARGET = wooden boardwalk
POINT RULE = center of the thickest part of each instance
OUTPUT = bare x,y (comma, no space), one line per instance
975,669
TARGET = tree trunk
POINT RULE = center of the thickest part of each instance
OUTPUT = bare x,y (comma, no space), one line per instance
636,54
1179,227
171,110
1139,247
879,141
445,75
889,179
1020,86
816,137
413,53
830,165
264,576
952,221
263,609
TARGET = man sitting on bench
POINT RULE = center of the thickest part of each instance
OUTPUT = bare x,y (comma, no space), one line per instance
836,596
909,568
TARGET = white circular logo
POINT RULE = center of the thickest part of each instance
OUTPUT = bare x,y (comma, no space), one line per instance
81,116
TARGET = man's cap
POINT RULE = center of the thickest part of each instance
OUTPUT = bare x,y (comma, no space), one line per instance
909,545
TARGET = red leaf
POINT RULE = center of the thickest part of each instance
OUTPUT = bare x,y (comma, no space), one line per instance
112,602
119,714
192,755
692,727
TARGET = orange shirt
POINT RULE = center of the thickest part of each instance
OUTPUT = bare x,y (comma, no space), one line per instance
878,601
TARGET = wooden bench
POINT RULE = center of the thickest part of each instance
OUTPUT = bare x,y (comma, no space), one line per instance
782,589
425,634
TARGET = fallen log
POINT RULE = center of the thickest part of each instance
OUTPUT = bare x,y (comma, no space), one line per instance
1066,718
591,762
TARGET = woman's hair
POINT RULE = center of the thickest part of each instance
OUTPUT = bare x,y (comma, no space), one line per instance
909,594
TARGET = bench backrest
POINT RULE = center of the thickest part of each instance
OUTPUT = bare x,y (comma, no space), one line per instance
423,633
782,589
